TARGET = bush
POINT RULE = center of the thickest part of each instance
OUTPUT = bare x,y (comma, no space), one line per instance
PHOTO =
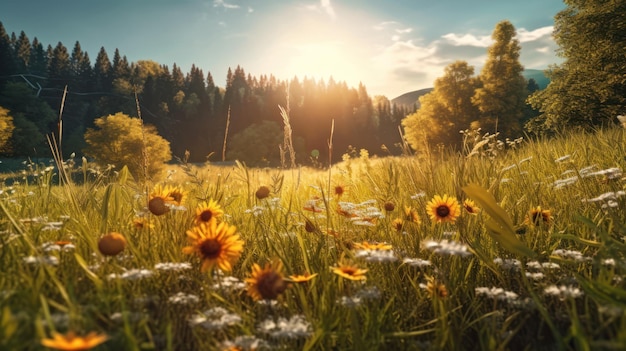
119,141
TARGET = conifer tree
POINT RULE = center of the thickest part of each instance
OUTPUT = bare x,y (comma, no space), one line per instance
501,98
22,52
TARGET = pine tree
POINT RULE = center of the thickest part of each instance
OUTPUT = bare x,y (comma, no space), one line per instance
59,67
22,52
501,99
102,71
38,59
588,89
7,59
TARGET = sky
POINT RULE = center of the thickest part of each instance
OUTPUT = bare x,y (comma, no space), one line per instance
390,46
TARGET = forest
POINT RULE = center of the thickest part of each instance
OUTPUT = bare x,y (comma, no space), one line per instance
189,109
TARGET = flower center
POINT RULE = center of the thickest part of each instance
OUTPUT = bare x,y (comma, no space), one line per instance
210,248
270,285
206,215
442,211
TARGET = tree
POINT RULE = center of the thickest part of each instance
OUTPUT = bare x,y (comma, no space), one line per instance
121,140
446,110
588,89
6,130
501,99
257,145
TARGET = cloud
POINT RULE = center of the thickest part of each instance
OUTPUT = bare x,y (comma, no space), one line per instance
523,35
406,64
481,41
224,4
382,25
326,5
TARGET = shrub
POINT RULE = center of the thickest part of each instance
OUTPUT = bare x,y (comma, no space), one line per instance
119,140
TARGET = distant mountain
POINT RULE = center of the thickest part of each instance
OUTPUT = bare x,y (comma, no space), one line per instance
411,98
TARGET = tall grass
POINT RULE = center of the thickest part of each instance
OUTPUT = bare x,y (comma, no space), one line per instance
569,296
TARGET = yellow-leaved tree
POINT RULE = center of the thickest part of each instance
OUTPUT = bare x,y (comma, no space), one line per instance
6,130
120,141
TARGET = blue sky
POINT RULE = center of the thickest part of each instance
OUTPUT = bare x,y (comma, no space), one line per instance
392,47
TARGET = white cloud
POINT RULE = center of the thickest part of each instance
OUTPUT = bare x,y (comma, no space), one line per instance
482,41
523,35
224,4
404,31
326,5
383,25
408,64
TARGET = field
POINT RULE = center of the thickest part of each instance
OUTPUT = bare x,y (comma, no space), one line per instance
511,245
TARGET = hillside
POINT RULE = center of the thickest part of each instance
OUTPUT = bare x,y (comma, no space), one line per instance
412,97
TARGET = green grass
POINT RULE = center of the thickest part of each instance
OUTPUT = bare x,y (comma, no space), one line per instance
78,289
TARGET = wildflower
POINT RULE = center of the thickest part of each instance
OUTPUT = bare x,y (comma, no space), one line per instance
72,342
563,158
389,206
411,215
447,248
302,278
266,283
416,262
244,342
397,224
111,244
372,246
292,328
216,318
563,291
176,195
434,288
141,223
181,298
47,260
159,198
496,293
536,216
172,266
542,265
376,255
443,209
508,263
535,275
470,207
207,211
571,254
313,205
262,192
132,274
216,244
350,272
340,190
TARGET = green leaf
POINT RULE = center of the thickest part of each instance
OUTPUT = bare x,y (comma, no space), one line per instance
91,275
499,226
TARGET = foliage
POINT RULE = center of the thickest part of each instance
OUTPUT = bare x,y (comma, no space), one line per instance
501,99
366,267
445,110
587,89
120,140
257,145
6,130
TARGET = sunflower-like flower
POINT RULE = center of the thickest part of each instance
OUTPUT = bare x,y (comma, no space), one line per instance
140,223
208,211
215,244
301,278
435,289
397,224
366,245
266,283
537,216
349,272
470,207
410,214
443,209
72,342
176,194
159,200
340,190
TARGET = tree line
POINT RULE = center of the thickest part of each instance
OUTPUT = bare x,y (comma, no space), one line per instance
188,109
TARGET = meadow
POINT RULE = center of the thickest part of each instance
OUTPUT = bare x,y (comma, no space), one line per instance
508,245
